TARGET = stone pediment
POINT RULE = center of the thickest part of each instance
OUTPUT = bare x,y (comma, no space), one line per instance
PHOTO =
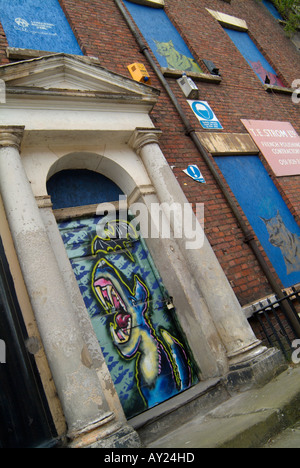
71,73
66,93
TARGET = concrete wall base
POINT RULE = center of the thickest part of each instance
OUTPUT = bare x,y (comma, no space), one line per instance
122,437
207,395
256,372
126,437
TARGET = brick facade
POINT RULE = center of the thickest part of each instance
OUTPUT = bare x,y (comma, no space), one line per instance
102,32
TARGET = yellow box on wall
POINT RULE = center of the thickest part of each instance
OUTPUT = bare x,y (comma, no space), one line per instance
139,73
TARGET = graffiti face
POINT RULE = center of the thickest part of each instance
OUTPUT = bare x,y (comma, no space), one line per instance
126,307
133,334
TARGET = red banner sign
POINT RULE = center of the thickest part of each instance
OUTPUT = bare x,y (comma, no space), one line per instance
279,143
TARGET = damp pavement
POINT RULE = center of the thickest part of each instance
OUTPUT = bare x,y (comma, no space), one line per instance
268,417
290,439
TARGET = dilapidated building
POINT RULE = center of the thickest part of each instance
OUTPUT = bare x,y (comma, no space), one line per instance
149,178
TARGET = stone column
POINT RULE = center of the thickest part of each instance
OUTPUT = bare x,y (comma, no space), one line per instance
233,328
87,413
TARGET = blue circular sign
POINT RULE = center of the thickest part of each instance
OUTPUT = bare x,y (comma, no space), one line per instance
202,110
194,171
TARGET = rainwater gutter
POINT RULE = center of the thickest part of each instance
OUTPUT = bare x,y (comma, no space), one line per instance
191,132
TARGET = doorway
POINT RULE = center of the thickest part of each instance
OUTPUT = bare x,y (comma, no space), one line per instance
131,311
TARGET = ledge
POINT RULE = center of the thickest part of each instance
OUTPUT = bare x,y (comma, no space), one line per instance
170,73
229,21
250,309
278,89
15,53
228,144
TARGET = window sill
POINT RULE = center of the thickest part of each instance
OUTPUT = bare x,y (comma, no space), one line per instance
170,73
278,89
14,53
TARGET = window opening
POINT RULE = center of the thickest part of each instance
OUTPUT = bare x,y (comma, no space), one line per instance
272,9
254,57
163,38
268,214
37,25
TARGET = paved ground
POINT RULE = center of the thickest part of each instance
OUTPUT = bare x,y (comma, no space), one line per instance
290,439
248,420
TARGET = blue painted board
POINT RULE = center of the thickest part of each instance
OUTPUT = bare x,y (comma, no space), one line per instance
163,38
272,9
79,187
268,214
37,25
253,56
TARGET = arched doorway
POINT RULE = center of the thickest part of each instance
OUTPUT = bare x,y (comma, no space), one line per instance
130,309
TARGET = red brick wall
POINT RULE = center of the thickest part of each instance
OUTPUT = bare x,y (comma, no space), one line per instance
3,45
102,32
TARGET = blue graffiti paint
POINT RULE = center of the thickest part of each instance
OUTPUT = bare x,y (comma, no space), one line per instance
267,213
37,25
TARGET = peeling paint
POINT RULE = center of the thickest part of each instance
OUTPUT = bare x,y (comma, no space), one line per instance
86,357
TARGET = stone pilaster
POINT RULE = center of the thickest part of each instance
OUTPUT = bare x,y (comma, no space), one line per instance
234,330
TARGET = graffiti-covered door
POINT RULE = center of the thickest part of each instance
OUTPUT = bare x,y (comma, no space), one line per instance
130,310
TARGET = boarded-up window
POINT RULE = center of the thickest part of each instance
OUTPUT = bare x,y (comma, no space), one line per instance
37,25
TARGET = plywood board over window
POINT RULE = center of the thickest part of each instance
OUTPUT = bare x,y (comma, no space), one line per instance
37,25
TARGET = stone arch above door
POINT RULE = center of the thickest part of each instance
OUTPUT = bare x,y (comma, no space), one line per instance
124,170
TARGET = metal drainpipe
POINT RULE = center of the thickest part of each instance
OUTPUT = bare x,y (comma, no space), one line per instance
191,132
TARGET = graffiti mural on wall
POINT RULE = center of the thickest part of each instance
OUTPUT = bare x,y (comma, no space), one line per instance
267,212
163,38
139,335
285,240
254,57
265,75
176,60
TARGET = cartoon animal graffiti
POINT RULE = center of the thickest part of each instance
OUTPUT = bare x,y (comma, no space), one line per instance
140,338
162,367
175,59
265,75
286,241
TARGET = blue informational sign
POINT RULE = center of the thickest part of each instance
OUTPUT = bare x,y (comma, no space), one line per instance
194,172
268,214
37,25
205,115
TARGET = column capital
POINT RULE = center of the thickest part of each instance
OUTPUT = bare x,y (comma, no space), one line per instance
11,136
144,136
